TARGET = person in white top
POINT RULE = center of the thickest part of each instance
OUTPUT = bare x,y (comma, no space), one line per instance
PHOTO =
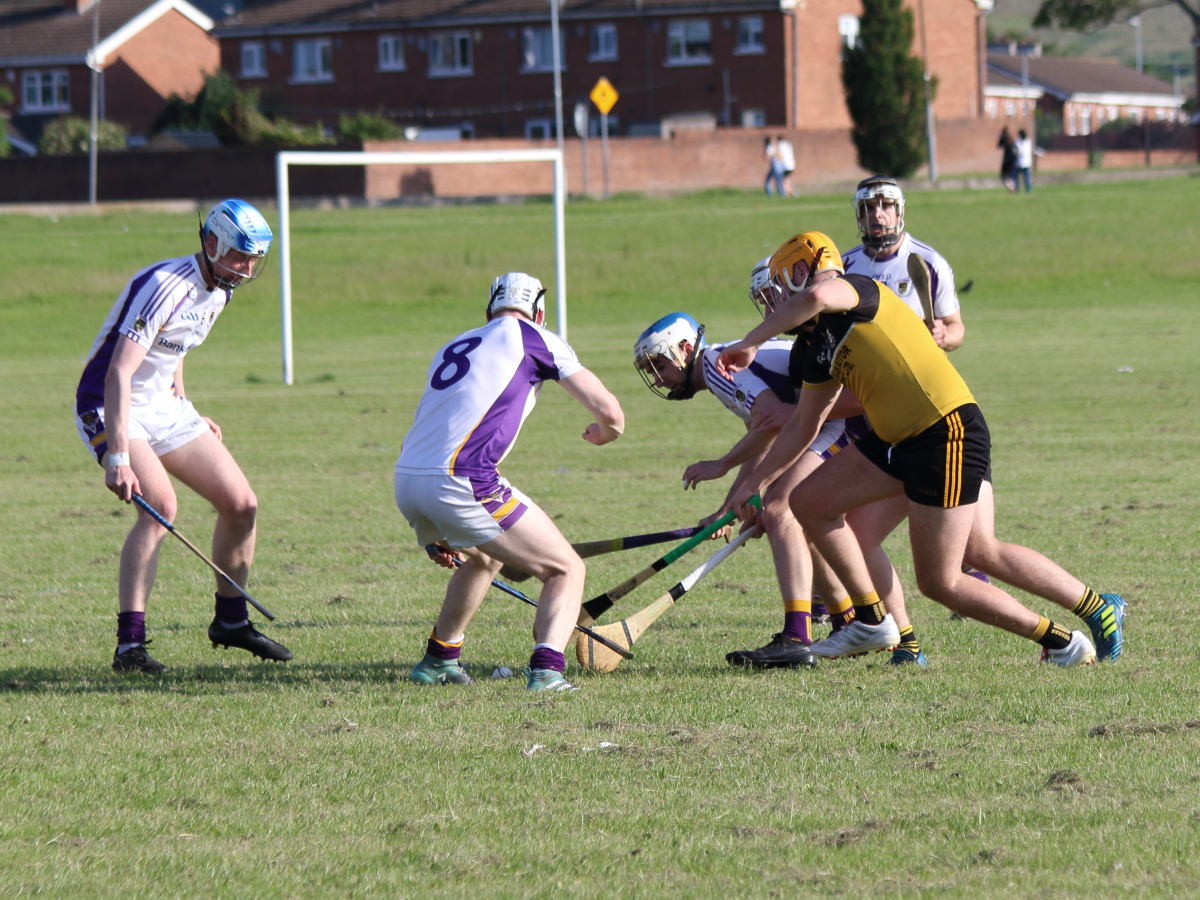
132,413
480,388
1025,150
787,158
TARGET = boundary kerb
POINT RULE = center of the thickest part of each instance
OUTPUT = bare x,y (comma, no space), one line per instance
406,158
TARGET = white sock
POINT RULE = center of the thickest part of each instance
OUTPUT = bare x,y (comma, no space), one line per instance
548,647
121,648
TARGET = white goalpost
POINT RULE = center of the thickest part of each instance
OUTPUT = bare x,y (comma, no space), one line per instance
360,158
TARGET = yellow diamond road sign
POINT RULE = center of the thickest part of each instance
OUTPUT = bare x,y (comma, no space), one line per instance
604,95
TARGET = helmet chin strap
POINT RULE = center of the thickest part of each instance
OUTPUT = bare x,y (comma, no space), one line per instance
687,390
223,284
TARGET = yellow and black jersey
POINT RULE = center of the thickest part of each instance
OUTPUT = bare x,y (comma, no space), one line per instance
886,356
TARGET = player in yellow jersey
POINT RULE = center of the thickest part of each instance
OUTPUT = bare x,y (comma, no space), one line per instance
929,442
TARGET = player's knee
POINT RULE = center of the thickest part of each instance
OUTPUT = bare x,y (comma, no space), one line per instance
242,508
937,585
983,555
776,515
569,566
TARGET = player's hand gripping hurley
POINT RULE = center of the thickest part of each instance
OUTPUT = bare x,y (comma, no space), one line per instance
158,517
513,592
599,659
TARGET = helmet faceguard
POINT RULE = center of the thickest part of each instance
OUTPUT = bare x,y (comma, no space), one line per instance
764,293
240,230
816,251
661,345
518,291
879,189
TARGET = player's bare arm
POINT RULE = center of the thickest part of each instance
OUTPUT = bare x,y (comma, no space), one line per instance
949,331
796,436
760,432
591,393
127,356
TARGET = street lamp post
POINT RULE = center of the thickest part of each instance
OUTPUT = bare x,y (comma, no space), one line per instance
94,130
557,52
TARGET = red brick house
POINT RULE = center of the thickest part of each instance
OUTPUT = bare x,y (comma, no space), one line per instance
486,69
148,50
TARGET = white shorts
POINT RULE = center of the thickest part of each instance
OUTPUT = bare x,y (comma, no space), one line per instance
166,425
838,434
459,510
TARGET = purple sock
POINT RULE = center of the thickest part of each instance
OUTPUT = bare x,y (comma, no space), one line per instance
545,658
798,625
438,650
131,628
820,609
231,609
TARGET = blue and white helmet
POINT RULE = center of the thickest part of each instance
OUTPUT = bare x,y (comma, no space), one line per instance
664,340
240,227
518,291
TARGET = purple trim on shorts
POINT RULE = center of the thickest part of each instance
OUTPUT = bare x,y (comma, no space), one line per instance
854,428
492,497
93,426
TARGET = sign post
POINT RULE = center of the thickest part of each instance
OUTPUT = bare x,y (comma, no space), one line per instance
581,129
605,96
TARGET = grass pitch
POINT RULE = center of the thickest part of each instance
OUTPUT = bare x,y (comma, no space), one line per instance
984,775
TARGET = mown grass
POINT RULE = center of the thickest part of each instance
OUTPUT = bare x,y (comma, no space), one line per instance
332,776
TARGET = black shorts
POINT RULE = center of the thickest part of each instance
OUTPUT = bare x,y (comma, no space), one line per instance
944,464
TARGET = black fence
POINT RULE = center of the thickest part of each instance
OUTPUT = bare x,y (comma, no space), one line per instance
151,175
1147,136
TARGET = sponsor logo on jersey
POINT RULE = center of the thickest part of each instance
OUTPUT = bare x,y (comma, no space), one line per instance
170,345
825,350
190,317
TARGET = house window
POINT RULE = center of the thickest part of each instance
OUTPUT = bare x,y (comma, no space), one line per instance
603,43
1085,120
450,53
539,129
253,59
750,35
46,92
848,30
754,118
689,42
391,53
537,50
312,60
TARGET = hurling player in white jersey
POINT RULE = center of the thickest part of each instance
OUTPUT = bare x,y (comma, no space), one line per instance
762,396
132,413
480,388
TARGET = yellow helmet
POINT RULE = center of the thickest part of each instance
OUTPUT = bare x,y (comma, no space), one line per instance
818,253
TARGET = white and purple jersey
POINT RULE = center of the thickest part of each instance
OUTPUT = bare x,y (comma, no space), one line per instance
165,308
480,389
769,371
892,270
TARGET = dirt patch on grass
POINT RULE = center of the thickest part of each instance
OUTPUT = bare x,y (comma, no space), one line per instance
1129,729
1064,780
846,837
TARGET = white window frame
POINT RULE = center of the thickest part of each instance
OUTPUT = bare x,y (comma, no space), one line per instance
459,40
746,28
849,30
677,43
322,49
532,38
602,54
259,49
59,83
392,59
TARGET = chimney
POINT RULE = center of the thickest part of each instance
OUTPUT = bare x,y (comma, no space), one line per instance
78,7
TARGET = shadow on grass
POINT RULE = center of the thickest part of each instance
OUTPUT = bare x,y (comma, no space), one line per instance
251,676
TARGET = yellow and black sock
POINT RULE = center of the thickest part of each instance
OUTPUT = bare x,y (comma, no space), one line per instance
841,613
908,640
869,609
1088,604
1050,635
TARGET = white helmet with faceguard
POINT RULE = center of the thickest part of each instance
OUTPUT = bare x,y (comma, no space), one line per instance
884,190
662,344
764,293
518,291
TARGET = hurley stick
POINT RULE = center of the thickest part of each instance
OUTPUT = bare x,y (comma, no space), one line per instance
918,271
158,517
589,549
513,592
627,631
598,606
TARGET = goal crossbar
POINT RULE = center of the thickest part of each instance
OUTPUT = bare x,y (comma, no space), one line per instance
288,158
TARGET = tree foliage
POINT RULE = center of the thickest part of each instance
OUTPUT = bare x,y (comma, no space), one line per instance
233,115
71,134
367,127
885,91
1092,15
